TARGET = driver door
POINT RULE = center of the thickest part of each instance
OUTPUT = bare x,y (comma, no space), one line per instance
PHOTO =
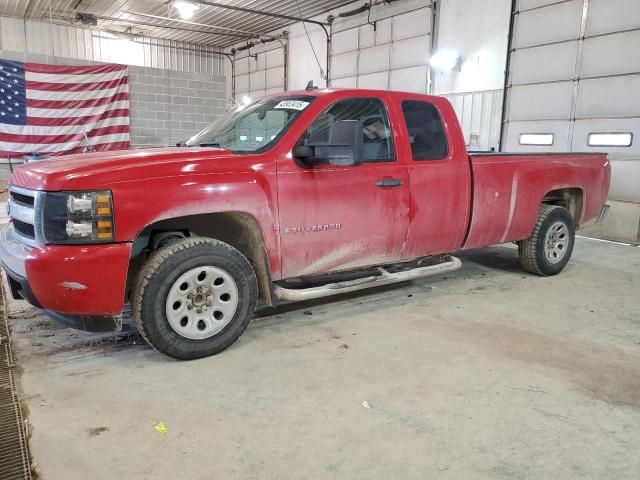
343,217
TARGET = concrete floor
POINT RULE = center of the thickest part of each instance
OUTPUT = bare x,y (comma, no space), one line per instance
485,373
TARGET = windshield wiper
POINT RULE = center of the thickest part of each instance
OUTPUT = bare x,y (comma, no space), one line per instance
211,143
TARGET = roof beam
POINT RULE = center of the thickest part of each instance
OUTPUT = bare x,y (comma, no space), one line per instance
258,12
186,22
167,27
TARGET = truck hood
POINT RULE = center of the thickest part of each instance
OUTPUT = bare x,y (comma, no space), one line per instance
101,169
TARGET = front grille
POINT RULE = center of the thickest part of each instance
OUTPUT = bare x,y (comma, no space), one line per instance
22,198
24,229
24,208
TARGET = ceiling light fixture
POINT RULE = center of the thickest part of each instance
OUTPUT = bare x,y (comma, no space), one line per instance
185,8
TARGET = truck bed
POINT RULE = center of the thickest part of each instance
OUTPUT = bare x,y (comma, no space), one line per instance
506,183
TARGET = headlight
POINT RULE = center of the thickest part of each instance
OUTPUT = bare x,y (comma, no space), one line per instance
78,217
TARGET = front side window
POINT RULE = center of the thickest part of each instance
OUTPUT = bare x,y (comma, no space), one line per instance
373,119
253,128
426,132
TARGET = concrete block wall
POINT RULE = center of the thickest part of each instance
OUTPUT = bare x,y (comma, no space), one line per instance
167,106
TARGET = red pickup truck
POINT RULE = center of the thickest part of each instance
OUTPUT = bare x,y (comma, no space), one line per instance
297,195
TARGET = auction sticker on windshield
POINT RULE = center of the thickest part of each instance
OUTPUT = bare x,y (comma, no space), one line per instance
292,105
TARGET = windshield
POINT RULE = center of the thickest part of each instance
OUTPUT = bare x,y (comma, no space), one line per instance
254,127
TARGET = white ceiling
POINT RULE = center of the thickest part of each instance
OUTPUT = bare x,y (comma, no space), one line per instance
65,11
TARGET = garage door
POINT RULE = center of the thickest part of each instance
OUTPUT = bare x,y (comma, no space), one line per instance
573,81
387,49
260,70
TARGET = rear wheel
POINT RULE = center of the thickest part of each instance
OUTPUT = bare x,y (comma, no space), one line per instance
194,297
549,248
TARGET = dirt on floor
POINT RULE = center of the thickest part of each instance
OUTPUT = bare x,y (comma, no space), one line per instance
485,373
4,190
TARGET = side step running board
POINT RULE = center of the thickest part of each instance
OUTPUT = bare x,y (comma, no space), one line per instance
385,278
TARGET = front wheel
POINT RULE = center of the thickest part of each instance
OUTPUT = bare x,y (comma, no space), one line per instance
194,298
549,248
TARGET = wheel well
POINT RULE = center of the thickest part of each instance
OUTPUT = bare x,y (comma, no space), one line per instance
569,198
238,229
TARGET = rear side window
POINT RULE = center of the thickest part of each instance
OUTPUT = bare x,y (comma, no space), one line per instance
426,132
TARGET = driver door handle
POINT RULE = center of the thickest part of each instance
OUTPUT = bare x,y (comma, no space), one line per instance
389,183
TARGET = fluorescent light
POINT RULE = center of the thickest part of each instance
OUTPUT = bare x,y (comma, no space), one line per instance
610,139
185,8
545,139
446,60
246,100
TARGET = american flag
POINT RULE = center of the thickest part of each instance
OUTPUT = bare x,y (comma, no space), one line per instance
58,109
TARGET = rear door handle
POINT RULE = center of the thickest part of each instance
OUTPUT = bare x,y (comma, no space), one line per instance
389,183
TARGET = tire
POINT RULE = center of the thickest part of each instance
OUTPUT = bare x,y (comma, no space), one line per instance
548,249
215,287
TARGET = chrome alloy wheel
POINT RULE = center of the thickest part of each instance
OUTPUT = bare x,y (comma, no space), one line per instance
201,302
556,242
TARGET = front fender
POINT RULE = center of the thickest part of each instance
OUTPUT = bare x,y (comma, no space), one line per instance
140,204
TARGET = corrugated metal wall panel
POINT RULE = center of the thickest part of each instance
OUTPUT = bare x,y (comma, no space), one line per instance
41,38
479,114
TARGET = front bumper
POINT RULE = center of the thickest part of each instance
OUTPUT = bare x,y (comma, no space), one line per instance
20,288
73,280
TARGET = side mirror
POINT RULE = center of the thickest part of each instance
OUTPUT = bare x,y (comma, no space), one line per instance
344,147
303,152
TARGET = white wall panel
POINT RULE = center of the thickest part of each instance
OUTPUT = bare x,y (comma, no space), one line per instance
625,178
275,58
253,94
610,54
265,64
12,34
367,36
625,161
347,82
242,84
540,102
401,39
374,59
544,64
559,129
412,24
529,4
603,91
609,97
257,80
275,77
383,31
410,52
242,65
549,24
75,42
479,114
607,16
344,65
258,63
478,31
602,125
346,41
377,81
409,79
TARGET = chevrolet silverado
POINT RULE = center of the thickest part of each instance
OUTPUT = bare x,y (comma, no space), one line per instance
296,195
